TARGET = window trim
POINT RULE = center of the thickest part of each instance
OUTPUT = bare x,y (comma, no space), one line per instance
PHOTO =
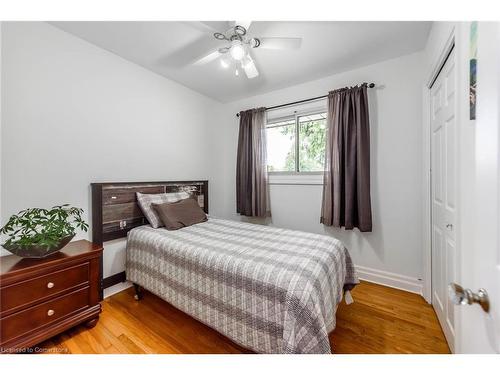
296,115
304,178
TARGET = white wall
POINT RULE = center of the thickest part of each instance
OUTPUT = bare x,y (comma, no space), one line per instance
395,245
75,114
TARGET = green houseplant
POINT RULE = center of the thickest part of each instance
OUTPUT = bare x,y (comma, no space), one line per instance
40,232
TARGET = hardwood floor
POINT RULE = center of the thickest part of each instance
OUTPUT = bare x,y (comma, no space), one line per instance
381,320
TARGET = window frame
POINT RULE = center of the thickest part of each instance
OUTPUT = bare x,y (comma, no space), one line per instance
295,116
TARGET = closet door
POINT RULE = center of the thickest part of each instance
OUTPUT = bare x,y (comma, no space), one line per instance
443,190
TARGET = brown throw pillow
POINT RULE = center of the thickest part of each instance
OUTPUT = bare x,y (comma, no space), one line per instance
180,214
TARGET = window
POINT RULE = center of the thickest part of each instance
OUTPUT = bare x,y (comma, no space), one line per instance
297,144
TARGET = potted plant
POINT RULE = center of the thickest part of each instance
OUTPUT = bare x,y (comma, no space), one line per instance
40,232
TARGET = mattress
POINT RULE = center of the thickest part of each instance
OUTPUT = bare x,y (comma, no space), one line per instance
268,289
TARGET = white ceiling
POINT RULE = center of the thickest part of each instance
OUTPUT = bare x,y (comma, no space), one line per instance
168,48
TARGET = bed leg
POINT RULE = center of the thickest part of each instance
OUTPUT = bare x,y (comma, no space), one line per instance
138,292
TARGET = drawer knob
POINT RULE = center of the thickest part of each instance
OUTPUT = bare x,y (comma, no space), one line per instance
50,285
50,312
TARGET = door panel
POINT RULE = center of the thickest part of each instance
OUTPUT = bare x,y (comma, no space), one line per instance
450,164
480,330
437,282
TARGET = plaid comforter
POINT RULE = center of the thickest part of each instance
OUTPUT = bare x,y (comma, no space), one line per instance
268,289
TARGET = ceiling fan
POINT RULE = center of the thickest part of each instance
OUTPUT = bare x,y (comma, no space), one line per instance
238,46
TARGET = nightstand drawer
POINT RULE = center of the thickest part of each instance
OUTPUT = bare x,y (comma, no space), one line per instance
40,315
36,289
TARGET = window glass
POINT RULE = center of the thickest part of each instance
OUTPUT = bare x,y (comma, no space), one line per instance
312,137
281,146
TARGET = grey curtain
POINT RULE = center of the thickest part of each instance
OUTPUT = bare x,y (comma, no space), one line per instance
251,168
346,182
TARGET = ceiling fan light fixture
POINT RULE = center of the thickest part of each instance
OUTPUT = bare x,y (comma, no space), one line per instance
254,42
246,60
224,62
237,50
240,30
220,36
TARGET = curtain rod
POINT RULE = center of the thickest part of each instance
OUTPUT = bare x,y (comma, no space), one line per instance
369,85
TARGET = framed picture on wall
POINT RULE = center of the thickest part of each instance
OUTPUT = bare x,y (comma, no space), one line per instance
473,71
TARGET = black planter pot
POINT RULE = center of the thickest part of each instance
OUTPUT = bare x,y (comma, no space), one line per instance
38,251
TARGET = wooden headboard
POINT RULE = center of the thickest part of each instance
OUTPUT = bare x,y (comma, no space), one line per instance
115,210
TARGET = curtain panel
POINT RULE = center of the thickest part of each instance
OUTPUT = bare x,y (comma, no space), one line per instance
346,182
251,164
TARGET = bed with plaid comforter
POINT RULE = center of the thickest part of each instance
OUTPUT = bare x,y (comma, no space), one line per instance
268,289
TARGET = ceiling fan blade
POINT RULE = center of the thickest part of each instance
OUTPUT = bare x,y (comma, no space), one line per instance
251,70
191,52
280,43
210,27
211,56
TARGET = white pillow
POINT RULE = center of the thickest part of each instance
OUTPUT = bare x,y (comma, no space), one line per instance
145,202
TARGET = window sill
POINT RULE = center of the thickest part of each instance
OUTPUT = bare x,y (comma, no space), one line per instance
296,178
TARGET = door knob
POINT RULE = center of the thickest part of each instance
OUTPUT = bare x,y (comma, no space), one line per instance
461,296
449,226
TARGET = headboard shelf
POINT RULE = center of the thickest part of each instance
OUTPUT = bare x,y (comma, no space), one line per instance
115,210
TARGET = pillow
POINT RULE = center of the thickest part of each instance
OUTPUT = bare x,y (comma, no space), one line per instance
180,214
146,200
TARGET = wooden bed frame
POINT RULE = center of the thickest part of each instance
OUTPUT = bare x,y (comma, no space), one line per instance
115,210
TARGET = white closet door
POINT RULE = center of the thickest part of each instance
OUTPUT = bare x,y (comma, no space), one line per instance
443,190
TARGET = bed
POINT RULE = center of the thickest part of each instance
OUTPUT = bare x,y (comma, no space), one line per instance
268,289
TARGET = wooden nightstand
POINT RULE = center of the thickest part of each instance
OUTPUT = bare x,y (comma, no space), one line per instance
40,298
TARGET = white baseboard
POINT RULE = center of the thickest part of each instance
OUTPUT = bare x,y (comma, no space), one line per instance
117,288
390,279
